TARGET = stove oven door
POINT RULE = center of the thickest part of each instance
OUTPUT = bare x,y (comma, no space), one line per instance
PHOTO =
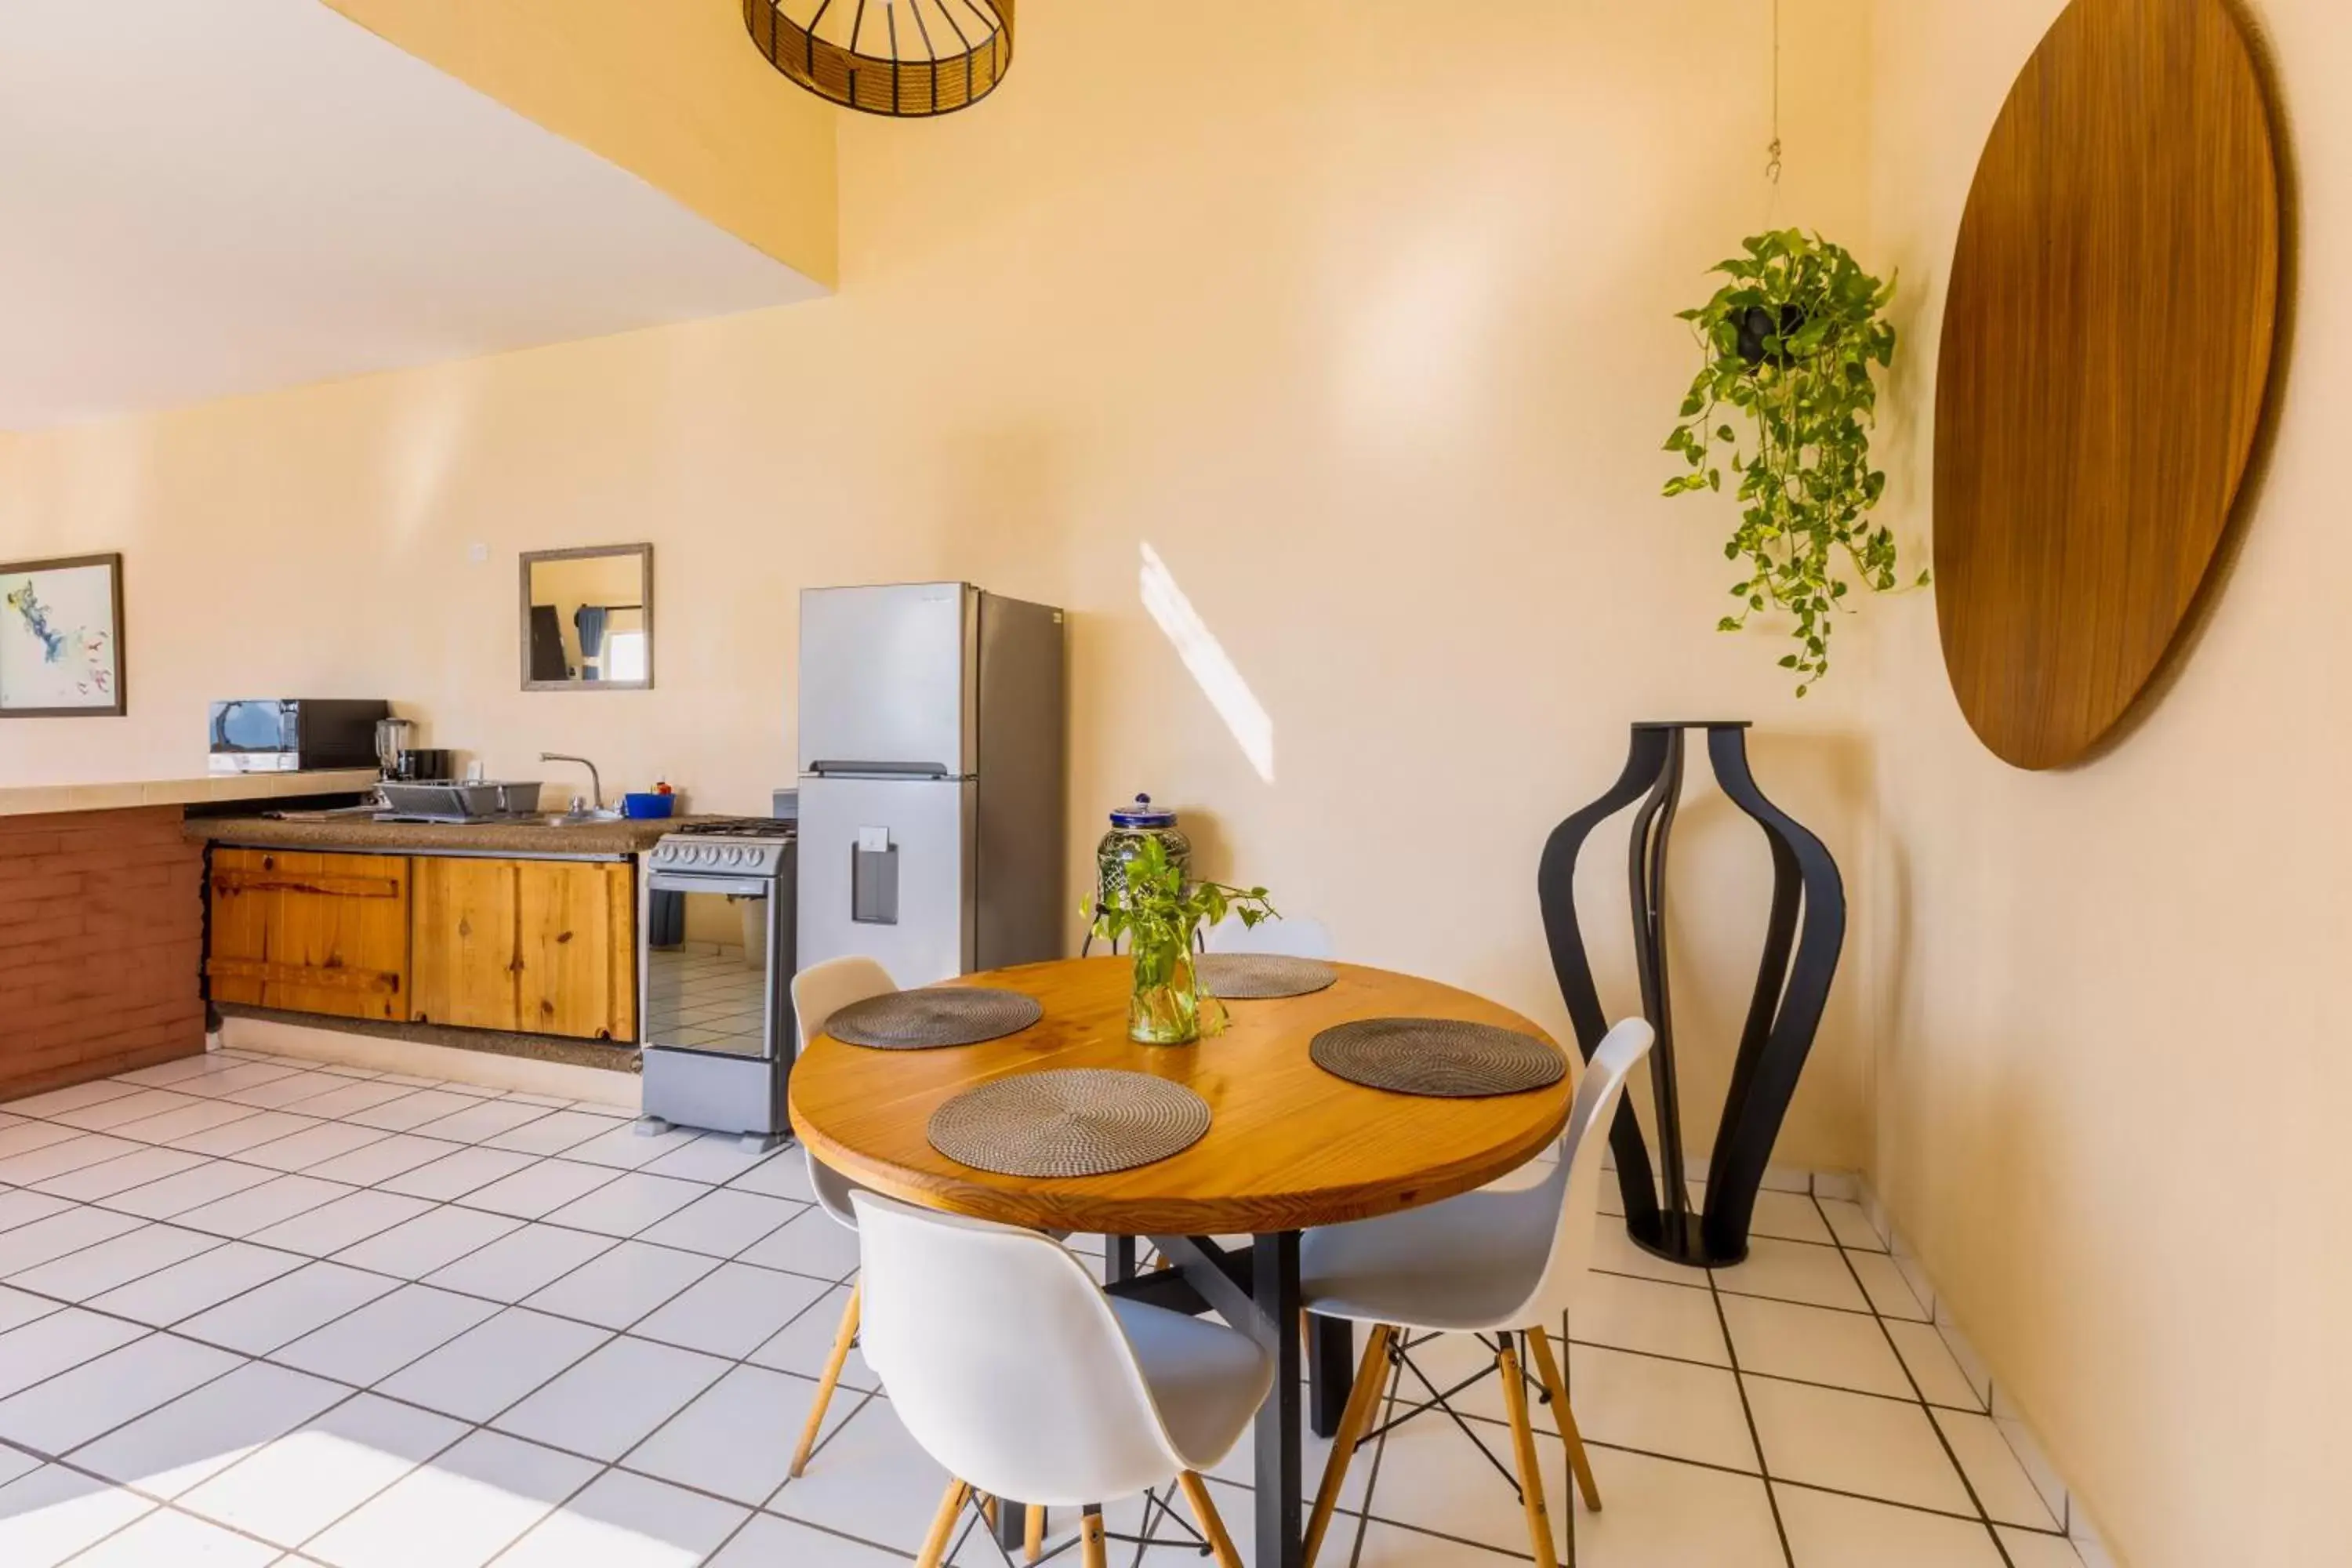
718,983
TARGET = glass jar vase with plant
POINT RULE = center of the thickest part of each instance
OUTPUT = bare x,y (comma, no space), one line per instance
1160,914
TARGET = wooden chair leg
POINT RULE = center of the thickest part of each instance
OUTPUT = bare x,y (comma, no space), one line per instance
1371,1377
1539,1343
1523,1443
1092,1552
841,1341
1034,1534
1204,1511
935,1545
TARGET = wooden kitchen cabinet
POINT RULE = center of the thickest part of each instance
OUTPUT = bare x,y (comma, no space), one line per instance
311,932
546,947
578,949
464,943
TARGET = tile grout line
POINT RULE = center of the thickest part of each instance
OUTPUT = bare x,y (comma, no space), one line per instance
398,1283
1942,1441
456,1202
265,1358
471,1427
119,1130
1747,1413
1743,1295
732,1362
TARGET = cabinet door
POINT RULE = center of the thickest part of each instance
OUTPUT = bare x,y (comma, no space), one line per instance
576,973
466,955
311,932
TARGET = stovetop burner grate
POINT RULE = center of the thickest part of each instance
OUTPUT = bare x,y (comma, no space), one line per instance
735,828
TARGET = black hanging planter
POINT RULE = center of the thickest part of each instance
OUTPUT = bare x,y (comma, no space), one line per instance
1758,325
1807,917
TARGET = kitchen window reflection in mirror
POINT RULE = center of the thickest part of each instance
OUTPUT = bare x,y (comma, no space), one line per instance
588,619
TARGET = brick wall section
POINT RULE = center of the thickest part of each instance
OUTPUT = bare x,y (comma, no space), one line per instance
102,945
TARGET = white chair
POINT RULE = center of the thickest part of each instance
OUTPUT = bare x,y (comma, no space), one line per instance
1293,936
818,993
958,1314
1496,1264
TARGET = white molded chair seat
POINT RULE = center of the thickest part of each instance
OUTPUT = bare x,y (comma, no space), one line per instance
832,1190
1501,1263
818,993
959,1312
1467,1265
1206,1380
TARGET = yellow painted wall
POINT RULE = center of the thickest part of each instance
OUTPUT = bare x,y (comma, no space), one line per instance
2114,1085
1365,330
670,90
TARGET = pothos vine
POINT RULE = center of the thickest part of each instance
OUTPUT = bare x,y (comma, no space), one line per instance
1789,341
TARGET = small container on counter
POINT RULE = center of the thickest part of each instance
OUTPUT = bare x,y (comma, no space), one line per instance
649,803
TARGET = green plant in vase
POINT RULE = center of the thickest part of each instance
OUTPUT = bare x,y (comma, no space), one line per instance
1158,913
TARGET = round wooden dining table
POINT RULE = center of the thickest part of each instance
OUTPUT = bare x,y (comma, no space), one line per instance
1289,1146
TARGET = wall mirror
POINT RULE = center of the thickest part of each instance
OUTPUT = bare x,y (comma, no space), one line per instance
588,619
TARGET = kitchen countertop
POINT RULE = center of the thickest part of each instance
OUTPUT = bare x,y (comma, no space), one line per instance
43,799
561,840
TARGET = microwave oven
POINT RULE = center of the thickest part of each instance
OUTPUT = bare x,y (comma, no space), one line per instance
294,734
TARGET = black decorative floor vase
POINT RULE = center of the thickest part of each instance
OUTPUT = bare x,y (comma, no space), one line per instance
1802,941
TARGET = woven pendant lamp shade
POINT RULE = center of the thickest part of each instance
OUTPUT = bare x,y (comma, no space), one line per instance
906,58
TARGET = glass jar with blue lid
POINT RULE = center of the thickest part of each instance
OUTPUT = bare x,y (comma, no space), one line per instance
1131,827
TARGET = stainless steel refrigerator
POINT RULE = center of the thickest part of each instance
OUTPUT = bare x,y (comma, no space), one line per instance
932,764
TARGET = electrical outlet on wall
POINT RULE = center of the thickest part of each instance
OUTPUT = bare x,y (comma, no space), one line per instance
477,553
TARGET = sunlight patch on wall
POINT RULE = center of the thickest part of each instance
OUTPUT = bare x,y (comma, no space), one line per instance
420,445
1212,669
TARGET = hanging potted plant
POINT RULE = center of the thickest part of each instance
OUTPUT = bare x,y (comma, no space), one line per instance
1789,341
1160,914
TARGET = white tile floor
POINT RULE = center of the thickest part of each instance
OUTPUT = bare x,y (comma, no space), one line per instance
255,1311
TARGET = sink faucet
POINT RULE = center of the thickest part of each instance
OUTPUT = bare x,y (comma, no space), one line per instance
596,780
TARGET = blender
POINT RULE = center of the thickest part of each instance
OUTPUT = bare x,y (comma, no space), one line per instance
393,736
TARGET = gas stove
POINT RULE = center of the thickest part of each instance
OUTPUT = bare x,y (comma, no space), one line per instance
725,846
716,966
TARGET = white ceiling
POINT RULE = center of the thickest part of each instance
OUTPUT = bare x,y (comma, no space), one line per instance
203,198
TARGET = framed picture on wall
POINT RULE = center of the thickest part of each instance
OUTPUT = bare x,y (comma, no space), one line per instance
61,638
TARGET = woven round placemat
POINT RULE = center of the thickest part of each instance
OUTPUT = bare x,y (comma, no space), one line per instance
1075,1121
1253,976
1442,1058
934,1015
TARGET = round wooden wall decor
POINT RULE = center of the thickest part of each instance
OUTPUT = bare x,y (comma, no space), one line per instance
2106,347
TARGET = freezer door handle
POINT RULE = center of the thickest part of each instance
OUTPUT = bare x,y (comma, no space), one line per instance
831,768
